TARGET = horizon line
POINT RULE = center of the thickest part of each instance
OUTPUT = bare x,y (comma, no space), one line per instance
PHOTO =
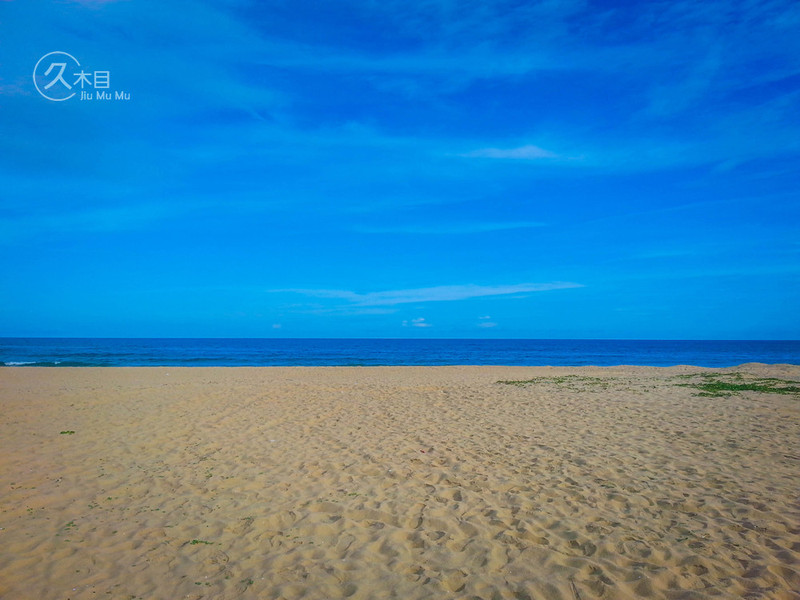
484,339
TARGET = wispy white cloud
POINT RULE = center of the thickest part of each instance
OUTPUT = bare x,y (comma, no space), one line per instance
444,293
666,253
528,152
677,61
348,310
446,45
89,221
93,3
452,228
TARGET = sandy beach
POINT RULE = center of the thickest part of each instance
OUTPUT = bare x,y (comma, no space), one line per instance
399,482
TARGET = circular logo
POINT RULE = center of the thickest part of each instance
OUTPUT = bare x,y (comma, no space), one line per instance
54,75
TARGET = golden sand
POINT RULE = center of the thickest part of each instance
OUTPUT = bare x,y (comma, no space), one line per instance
396,482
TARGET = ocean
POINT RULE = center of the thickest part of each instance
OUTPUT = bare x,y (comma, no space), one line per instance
136,352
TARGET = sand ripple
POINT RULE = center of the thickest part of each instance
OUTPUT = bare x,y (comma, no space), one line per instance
324,483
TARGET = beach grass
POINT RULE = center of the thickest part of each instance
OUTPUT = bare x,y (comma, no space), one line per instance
568,381
715,385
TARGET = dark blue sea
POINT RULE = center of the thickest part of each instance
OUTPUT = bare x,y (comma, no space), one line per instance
107,352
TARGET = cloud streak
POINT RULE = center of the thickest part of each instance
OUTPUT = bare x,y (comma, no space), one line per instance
88,221
452,228
444,293
528,152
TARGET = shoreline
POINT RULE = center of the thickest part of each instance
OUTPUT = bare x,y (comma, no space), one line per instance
786,367
414,482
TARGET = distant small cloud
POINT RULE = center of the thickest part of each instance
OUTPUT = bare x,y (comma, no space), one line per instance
419,322
276,325
522,153
485,322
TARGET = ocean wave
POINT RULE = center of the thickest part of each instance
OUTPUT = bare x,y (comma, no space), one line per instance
48,363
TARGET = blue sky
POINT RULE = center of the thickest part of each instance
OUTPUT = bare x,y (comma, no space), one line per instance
543,169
